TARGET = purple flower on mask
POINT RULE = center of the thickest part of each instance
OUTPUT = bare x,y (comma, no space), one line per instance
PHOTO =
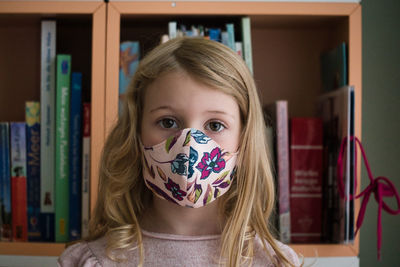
175,189
211,162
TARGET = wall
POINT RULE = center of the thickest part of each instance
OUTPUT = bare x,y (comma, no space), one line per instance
381,122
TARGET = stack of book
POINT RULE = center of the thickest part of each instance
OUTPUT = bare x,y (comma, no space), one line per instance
305,152
44,166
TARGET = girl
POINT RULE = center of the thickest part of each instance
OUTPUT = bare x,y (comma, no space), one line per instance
185,178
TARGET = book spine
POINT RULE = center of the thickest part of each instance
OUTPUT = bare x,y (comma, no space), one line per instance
230,28
75,155
18,181
306,180
225,38
129,62
32,117
172,29
239,48
246,39
85,170
47,128
282,144
5,185
62,147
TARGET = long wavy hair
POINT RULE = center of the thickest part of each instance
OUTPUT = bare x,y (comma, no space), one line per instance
246,207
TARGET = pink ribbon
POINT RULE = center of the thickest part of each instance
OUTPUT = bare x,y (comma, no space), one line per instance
381,187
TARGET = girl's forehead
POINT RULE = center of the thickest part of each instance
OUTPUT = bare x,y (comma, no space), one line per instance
180,91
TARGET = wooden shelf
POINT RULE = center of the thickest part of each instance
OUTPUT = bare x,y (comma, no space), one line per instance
31,248
296,33
81,26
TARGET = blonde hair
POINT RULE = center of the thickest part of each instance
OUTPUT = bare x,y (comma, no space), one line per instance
247,206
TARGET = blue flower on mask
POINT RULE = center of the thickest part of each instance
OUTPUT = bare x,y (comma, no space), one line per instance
200,137
178,164
192,160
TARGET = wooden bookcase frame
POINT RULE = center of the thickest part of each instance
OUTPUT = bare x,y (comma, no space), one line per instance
97,12
117,11
106,23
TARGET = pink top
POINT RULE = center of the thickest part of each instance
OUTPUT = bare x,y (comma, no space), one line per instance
165,250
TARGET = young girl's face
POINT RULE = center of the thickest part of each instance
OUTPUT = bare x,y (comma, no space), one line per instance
175,101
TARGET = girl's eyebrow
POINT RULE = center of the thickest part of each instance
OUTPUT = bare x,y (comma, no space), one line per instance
166,107
221,112
161,108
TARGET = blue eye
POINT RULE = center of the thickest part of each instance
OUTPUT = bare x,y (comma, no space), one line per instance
215,126
168,123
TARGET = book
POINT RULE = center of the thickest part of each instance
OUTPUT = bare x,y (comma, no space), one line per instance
47,127
230,28
5,183
172,30
306,149
32,118
239,48
276,115
337,112
246,40
18,181
75,158
128,63
86,170
62,147
334,68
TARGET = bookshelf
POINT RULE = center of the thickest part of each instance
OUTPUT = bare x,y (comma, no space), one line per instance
287,39
81,32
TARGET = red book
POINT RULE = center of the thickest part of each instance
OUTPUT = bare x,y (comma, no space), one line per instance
306,152
18,182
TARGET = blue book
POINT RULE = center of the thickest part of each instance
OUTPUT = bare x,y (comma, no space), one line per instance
334,68
129,61
5,183
32,117
75,155
230,28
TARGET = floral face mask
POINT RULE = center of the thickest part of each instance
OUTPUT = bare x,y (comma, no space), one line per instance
188,169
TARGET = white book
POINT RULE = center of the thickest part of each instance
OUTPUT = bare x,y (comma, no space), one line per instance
172,29
239,48
225,38
47,117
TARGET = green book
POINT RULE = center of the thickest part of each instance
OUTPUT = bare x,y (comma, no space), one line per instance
246,39
63,91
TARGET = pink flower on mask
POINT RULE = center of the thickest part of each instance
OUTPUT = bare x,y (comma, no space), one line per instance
211,162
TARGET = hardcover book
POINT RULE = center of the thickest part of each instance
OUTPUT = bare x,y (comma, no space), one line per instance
62,147
128,63
47,128
5,183
277,125
85,170
306,179
334,68
230,28
18,181
32,118
75,158
246,40
337,112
